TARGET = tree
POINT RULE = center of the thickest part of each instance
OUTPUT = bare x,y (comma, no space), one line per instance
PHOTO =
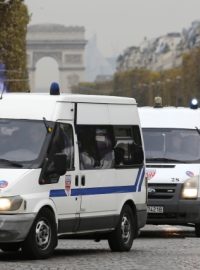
191,74
14,19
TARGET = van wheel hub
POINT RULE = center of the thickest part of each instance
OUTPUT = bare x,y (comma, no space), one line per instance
43,234
125,229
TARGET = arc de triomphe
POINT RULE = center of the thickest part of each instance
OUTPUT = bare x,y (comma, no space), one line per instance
64,44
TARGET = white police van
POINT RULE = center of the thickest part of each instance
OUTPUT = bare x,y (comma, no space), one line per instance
71,166
172,149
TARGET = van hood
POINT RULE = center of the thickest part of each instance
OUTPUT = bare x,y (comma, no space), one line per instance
175,174
9,177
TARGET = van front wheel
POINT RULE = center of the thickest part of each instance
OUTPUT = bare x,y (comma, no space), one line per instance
122,238
42,238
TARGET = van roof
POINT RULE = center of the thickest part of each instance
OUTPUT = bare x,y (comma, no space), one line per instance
169,117
68,98
39,105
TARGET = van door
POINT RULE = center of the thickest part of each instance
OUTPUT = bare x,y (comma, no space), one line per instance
129,162
63,191
98,197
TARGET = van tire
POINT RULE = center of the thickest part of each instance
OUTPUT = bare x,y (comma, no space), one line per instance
197,230
121,239
42,238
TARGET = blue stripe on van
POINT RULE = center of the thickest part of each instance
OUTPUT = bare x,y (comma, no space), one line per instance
102,190
141,180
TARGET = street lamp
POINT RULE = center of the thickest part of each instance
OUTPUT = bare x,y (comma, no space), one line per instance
178,84
168,91
158,87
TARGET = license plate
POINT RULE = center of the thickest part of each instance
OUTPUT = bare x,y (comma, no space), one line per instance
155,209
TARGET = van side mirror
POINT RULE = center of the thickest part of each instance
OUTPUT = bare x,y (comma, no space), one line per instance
60,163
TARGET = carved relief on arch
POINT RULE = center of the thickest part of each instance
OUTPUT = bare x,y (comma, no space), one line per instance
73,59
39,55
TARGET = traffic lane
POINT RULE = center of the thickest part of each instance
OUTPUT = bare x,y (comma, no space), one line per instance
148,252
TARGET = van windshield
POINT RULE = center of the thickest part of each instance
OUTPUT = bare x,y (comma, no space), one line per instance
20,141
172,145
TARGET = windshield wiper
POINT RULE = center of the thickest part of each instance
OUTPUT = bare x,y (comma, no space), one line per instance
169,160
11,162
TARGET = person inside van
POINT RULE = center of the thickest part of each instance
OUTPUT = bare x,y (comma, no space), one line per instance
87,149
119,155
105,149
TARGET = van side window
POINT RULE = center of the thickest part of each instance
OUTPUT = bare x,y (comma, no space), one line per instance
68,144
128,146
96,147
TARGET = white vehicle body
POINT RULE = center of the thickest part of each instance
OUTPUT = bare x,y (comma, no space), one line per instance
85,201
172,149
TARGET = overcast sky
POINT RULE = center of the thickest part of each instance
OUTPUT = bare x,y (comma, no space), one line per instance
117,23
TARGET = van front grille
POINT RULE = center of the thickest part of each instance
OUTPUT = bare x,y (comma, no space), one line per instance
161,191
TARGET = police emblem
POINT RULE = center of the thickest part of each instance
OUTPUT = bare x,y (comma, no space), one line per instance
150,174
68,185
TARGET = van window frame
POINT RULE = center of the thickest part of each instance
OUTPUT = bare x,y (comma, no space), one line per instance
54,178
137,141
135,136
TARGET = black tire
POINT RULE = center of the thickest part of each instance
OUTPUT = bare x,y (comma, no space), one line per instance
10,247
122,238
42,238
197,230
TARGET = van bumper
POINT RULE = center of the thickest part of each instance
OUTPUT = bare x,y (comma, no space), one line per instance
141,215
15,228
182,212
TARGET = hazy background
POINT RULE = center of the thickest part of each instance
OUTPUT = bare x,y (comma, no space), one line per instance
116,23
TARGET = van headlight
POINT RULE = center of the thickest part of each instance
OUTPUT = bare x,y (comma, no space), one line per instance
10,203
190,188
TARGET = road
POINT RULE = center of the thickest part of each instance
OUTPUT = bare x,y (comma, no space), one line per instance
157,248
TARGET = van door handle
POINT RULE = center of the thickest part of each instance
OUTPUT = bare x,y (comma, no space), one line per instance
83,180
76,181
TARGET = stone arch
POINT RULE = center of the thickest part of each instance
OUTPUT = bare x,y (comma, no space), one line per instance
46,72
64,44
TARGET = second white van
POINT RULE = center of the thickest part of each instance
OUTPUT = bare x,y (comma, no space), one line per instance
172,147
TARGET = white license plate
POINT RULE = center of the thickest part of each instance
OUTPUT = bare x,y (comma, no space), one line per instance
155,209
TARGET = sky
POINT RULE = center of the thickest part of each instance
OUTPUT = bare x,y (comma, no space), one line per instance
117,24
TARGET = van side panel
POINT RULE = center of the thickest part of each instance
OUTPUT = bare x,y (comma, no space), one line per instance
123,114
92,114
107,114
110,188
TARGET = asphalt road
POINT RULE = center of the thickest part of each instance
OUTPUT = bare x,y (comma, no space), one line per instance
157,248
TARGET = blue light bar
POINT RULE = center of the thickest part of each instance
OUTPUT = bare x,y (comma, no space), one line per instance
54,89
194,104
